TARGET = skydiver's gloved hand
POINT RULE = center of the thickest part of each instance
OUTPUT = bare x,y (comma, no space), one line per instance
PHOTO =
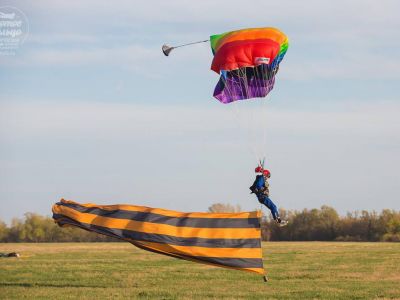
252,189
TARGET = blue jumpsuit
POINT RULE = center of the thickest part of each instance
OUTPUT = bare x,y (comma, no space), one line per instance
260,188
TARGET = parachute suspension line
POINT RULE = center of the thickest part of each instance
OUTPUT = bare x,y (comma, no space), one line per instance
258,85
252,116
263,111
167,49
242,118
225,80
249,130
255,112
255,128
257,115
264,124
259,75
243,76
243,125
263,85
270,79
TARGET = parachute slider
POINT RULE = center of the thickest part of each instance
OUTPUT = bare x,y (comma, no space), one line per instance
167,49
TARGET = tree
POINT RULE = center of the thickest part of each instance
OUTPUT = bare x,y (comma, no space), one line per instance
224,208
391,219
3,231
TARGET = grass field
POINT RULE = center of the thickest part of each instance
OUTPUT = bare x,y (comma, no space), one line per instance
310,270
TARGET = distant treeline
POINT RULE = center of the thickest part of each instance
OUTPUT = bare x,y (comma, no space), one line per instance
36,228
322,224
325,224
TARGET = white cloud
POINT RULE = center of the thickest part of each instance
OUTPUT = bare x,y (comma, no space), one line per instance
361,66
105,120
337,13
329,40
62,39
114,121
127,56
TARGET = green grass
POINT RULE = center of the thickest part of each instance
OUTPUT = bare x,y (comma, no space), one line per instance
310,270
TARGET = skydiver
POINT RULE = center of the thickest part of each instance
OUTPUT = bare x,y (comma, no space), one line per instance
260,187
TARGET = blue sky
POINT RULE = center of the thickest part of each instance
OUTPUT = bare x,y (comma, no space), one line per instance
91,110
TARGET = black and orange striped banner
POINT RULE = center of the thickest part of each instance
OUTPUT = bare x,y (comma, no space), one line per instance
231,240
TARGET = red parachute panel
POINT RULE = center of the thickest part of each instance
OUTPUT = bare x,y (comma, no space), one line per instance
245,53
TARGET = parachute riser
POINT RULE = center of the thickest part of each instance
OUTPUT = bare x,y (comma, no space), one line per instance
261,162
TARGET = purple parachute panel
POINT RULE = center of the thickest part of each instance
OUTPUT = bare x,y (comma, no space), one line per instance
232,87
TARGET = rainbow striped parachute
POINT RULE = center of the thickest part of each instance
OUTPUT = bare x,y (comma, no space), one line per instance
247,61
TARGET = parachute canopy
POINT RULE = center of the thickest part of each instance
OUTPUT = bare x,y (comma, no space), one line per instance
247,61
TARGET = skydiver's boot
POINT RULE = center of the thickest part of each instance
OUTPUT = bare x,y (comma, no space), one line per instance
280,222
283,223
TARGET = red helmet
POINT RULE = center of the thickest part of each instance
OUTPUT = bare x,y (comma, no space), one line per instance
266,173
259,169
